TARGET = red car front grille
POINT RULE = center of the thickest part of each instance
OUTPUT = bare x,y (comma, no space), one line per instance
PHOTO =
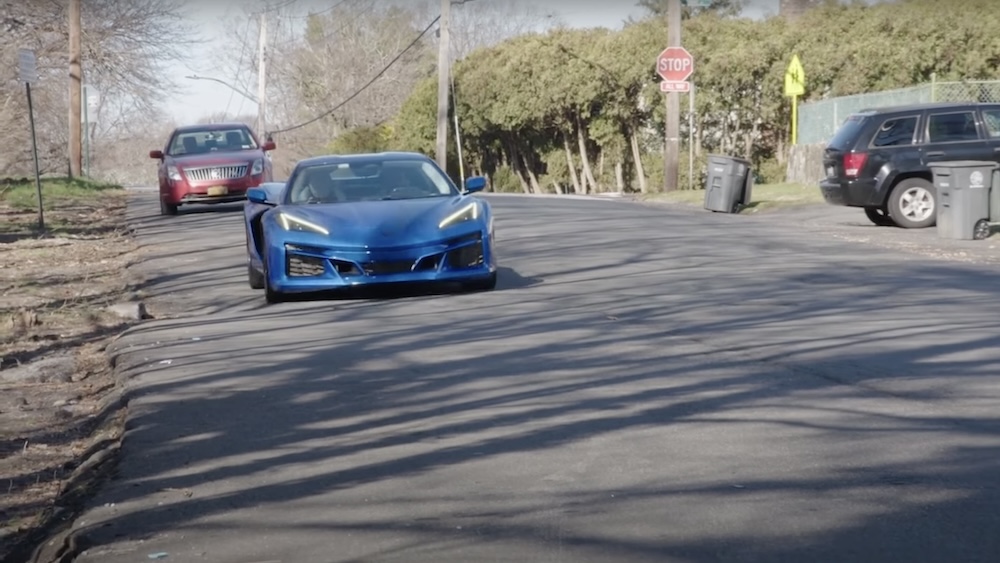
209,173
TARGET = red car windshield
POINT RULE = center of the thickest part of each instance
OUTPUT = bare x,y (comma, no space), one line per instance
211,140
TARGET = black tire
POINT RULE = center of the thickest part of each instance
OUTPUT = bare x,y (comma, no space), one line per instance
736,207
270,295
982,230
167,209
255,278
879,216
487,284
913,204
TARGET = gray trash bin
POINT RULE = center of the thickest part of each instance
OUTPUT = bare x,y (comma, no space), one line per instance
728,183
963,197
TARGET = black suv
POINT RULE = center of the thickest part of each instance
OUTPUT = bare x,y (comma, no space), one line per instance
880,159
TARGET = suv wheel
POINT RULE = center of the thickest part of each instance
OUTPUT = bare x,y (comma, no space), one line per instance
913,204
879,216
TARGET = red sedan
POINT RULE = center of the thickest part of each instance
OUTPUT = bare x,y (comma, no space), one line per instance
212,163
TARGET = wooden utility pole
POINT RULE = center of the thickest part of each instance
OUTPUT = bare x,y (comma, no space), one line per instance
262,77
671,149
75,88
444,70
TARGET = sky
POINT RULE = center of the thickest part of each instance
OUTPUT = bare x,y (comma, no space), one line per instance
203,98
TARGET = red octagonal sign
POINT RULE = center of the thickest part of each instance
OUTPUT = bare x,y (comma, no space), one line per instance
675,64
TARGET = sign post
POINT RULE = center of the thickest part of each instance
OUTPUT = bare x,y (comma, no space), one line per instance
795,86
675,66
28,73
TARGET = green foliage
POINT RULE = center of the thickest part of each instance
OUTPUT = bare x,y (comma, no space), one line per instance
415,126
20,193
770,171
522,103
362,140
504,180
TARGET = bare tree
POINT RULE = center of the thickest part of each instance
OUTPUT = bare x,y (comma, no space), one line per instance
126,45
482,23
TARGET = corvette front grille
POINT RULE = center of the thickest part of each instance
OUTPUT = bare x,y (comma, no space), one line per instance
304,266
468,256
208,173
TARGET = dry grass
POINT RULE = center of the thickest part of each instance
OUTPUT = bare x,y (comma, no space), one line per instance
56,387
763,197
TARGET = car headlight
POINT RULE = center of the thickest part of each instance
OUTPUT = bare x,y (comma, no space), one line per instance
173,173
258,167
293,223
468,213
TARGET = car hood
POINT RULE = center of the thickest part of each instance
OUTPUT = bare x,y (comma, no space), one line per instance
381,223
218,157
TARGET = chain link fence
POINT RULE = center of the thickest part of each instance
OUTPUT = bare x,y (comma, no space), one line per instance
819,120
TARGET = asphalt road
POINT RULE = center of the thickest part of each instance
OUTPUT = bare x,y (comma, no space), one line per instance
645,384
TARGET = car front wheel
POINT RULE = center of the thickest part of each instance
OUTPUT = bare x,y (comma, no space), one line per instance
482,285
167,209
270,295
255,277
913,204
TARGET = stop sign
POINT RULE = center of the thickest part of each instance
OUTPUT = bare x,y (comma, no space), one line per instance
675,64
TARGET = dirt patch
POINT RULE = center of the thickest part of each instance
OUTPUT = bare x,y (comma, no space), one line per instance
60,412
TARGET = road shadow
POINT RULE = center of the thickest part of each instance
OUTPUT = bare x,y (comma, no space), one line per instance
772,398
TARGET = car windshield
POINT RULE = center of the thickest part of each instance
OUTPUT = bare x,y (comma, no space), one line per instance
211,140
370,180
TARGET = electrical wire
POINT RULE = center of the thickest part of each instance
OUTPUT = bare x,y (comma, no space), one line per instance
270,9
239,65
363,88
319,13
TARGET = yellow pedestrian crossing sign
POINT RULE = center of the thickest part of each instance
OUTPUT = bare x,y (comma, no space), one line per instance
795,78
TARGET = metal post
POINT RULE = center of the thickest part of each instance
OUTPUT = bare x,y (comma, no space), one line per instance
691,137
34,151
458,136
444,60
671,151
86,134
795,120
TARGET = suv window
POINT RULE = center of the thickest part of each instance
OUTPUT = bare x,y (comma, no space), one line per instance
847,135
991,118
952,127
896,131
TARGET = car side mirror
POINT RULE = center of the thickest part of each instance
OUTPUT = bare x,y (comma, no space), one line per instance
156,154
475,184
258,195
268,146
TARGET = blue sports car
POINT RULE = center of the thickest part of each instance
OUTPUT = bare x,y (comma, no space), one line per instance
349,220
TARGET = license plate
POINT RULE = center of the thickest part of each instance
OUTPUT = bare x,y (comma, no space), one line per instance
218,190
829,172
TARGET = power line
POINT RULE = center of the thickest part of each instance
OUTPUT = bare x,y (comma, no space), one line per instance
363,88
270,9
319,13
239,66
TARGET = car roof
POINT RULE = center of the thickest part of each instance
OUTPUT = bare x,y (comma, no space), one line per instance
880,110
211,126
361,157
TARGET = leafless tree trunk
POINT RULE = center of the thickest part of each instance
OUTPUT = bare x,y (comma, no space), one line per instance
572,166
